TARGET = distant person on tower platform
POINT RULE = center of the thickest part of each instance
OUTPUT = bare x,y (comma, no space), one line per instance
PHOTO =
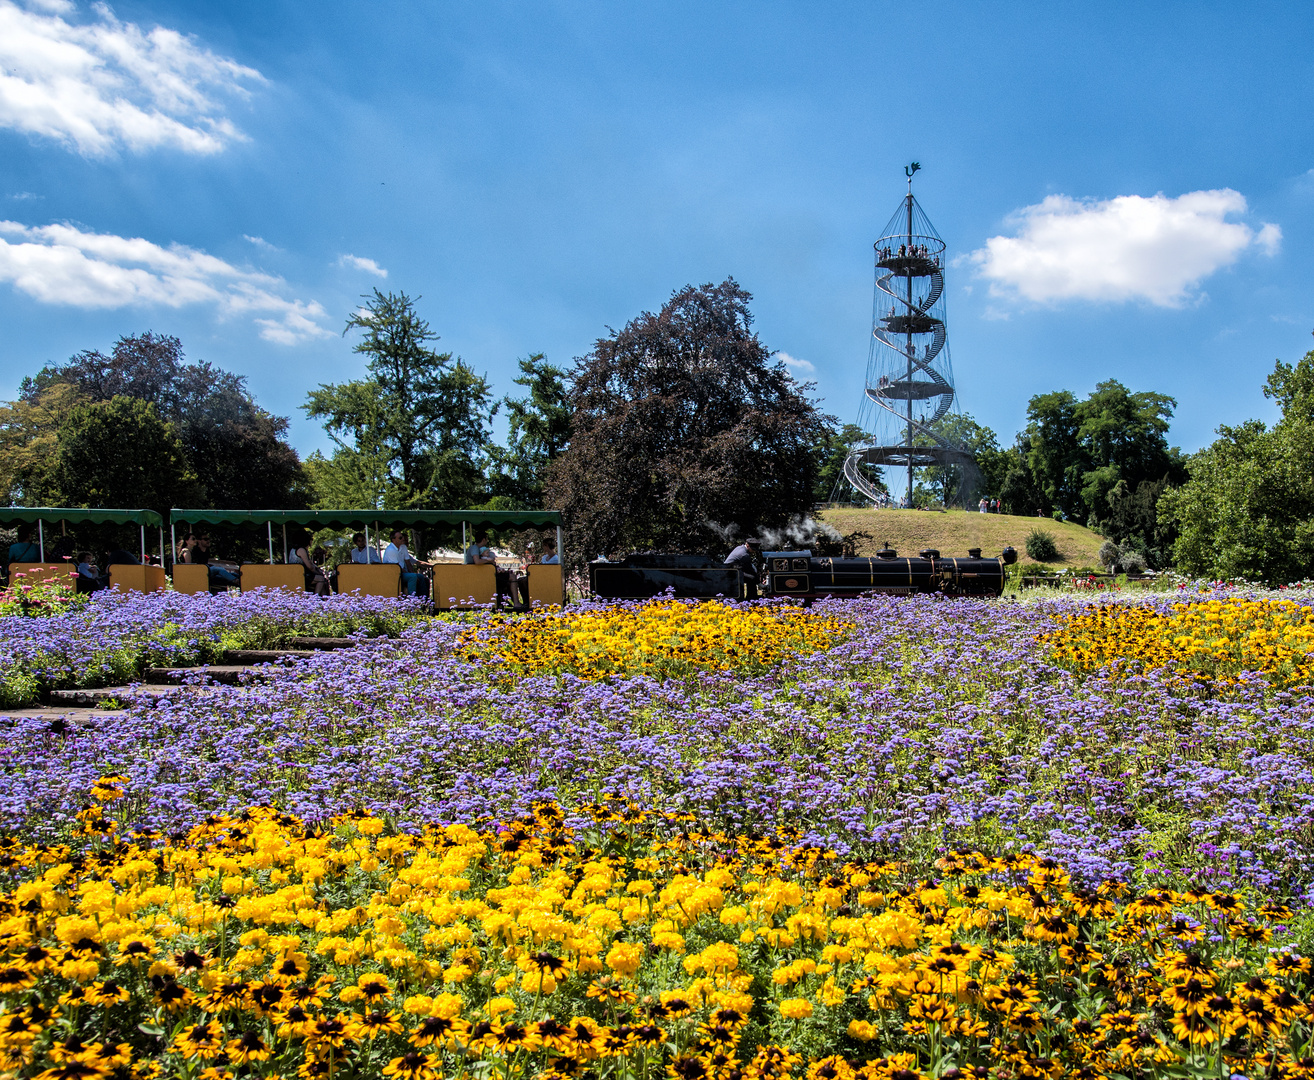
748,558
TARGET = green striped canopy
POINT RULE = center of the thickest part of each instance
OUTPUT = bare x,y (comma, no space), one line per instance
351,519
30,515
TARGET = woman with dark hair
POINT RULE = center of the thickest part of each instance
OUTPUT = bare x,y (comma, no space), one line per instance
316,579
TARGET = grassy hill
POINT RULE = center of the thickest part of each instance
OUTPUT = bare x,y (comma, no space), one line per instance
953,532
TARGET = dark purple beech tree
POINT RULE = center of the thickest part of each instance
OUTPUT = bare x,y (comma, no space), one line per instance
681,424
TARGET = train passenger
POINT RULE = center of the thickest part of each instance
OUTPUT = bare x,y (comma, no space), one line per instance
748,558
221,572
362,554
89,577
480,554
316,579
23,549
550,556
411,569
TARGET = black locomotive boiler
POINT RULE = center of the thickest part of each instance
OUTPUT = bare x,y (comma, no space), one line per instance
802,575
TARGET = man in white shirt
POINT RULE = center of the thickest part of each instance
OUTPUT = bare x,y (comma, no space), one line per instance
362,554
398,553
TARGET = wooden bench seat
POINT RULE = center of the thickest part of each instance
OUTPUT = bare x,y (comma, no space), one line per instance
545,585
133,577
370,579
459,585
34,571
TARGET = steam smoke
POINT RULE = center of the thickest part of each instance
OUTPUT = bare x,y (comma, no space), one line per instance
800,532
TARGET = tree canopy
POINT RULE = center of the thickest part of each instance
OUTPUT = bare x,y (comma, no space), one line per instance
683,426
122,453
412,434
538,432
1247,510
235,450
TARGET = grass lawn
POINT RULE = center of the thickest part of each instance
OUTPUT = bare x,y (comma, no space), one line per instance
953,532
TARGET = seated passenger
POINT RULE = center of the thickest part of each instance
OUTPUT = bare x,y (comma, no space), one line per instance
89,578
480,554
550,556
397,552
23,549
316,579
362,554
222,574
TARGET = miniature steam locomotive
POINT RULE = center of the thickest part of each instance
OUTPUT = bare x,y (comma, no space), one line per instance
802,575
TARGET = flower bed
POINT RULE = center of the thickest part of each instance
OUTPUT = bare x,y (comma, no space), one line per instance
665,639
934,724
636,947
112,638
1209,640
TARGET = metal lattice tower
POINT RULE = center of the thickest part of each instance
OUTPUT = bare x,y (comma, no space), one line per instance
908,367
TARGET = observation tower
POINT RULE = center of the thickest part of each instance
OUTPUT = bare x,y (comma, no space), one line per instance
910,385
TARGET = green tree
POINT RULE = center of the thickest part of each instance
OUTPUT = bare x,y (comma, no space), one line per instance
1018,490
1078,452
538,433
832,450
682,424
237,450
29,444
962,485
121,453
1247,510
422,414
1054,454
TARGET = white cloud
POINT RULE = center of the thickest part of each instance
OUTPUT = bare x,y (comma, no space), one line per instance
355,262
795,364
101,85
260,242
61,264
1154,249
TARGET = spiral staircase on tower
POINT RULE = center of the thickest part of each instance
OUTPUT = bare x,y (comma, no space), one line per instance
909,378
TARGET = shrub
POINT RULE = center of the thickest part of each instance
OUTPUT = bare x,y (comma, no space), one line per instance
1109,554
1132,562
1042,546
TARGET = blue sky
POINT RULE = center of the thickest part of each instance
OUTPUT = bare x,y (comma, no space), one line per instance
1127,189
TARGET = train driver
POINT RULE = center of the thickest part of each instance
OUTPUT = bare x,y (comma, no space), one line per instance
748,557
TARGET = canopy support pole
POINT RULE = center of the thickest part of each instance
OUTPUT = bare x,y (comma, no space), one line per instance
561,561
41,539
143,544
368,546
269,527
284,542
173,543
161,543
464,544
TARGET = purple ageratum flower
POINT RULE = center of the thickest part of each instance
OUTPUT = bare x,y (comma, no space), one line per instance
935,725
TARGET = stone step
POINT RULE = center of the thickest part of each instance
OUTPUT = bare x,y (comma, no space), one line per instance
228,674
264,656
95,696
59,719
321,643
